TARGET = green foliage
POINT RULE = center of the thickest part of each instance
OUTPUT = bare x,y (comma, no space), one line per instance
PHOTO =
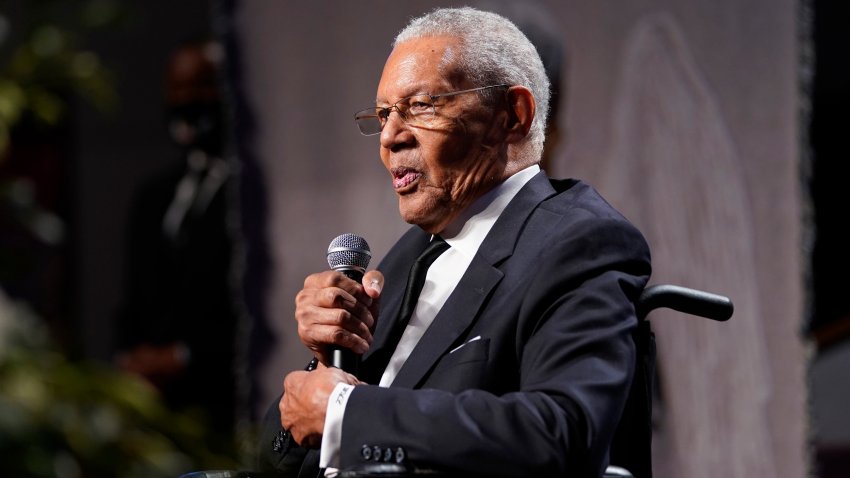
61,419
45,60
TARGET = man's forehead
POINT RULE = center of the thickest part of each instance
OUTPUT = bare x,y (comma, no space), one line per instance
418,66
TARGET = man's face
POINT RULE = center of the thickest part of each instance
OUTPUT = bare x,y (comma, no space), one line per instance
438,170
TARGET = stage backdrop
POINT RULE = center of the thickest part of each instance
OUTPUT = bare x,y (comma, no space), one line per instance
684,113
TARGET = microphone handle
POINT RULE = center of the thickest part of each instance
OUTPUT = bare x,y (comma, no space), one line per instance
343,358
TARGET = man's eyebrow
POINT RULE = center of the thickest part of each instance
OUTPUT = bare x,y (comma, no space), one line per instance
379,101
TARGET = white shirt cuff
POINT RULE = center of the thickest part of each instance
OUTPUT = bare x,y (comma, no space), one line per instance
332,432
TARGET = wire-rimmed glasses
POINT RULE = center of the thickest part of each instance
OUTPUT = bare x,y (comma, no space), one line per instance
416,110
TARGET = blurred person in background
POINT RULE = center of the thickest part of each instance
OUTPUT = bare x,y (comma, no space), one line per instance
176,326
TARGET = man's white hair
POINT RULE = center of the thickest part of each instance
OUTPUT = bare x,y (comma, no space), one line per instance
492,51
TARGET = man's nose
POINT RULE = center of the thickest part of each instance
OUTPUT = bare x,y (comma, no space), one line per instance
395,130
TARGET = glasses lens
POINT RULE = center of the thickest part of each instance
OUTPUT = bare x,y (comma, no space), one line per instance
418,110
368,121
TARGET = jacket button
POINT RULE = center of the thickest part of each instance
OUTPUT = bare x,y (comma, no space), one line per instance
366,452
400,455
376,453
388,454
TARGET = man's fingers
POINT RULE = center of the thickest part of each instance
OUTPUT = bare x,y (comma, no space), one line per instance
317,336
360,306
329,297
305,400
348,340
333,309
338,280
350,315
373,283
355,324
313,319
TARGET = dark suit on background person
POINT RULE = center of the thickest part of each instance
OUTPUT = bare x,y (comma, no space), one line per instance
526,367
178,317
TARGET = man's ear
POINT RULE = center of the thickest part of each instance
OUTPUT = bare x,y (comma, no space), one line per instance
521,108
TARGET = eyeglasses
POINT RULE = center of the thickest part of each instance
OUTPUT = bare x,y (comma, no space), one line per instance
416,110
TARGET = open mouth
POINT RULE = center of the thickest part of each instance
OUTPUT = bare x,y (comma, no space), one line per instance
403,177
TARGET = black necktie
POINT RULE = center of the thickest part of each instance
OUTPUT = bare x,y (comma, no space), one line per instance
416,279
415,282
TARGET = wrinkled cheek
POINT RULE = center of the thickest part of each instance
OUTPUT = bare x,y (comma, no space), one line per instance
469,181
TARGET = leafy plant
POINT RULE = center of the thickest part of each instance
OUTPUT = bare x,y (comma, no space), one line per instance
45,60
77,420
61,418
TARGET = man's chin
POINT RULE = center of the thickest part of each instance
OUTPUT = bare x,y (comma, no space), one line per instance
425,212
410,218
416,218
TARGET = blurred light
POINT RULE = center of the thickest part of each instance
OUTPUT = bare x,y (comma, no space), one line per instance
66,466
47,41
98,13
22,192
12,101
46,226
46,106
49,228
85,64
105,424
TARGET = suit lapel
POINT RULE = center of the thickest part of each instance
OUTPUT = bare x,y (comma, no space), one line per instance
480,278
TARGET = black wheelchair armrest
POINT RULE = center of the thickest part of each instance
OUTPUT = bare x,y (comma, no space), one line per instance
690,301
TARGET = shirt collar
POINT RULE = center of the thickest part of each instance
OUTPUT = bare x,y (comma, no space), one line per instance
468,231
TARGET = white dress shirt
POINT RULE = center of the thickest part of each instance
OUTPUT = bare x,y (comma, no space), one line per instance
465,234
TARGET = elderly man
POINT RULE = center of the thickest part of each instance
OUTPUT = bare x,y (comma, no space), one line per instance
517,357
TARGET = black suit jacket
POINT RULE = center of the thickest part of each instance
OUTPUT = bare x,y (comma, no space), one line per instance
548,299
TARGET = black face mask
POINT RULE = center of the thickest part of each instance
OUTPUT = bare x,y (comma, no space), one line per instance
200,125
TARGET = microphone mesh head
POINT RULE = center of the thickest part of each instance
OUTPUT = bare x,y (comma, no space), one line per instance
349,251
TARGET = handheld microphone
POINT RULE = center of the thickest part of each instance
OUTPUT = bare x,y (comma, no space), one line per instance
349,254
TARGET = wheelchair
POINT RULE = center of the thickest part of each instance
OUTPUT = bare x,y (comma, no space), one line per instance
630,453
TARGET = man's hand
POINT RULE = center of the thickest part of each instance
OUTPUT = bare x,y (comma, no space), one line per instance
305,402
332,309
